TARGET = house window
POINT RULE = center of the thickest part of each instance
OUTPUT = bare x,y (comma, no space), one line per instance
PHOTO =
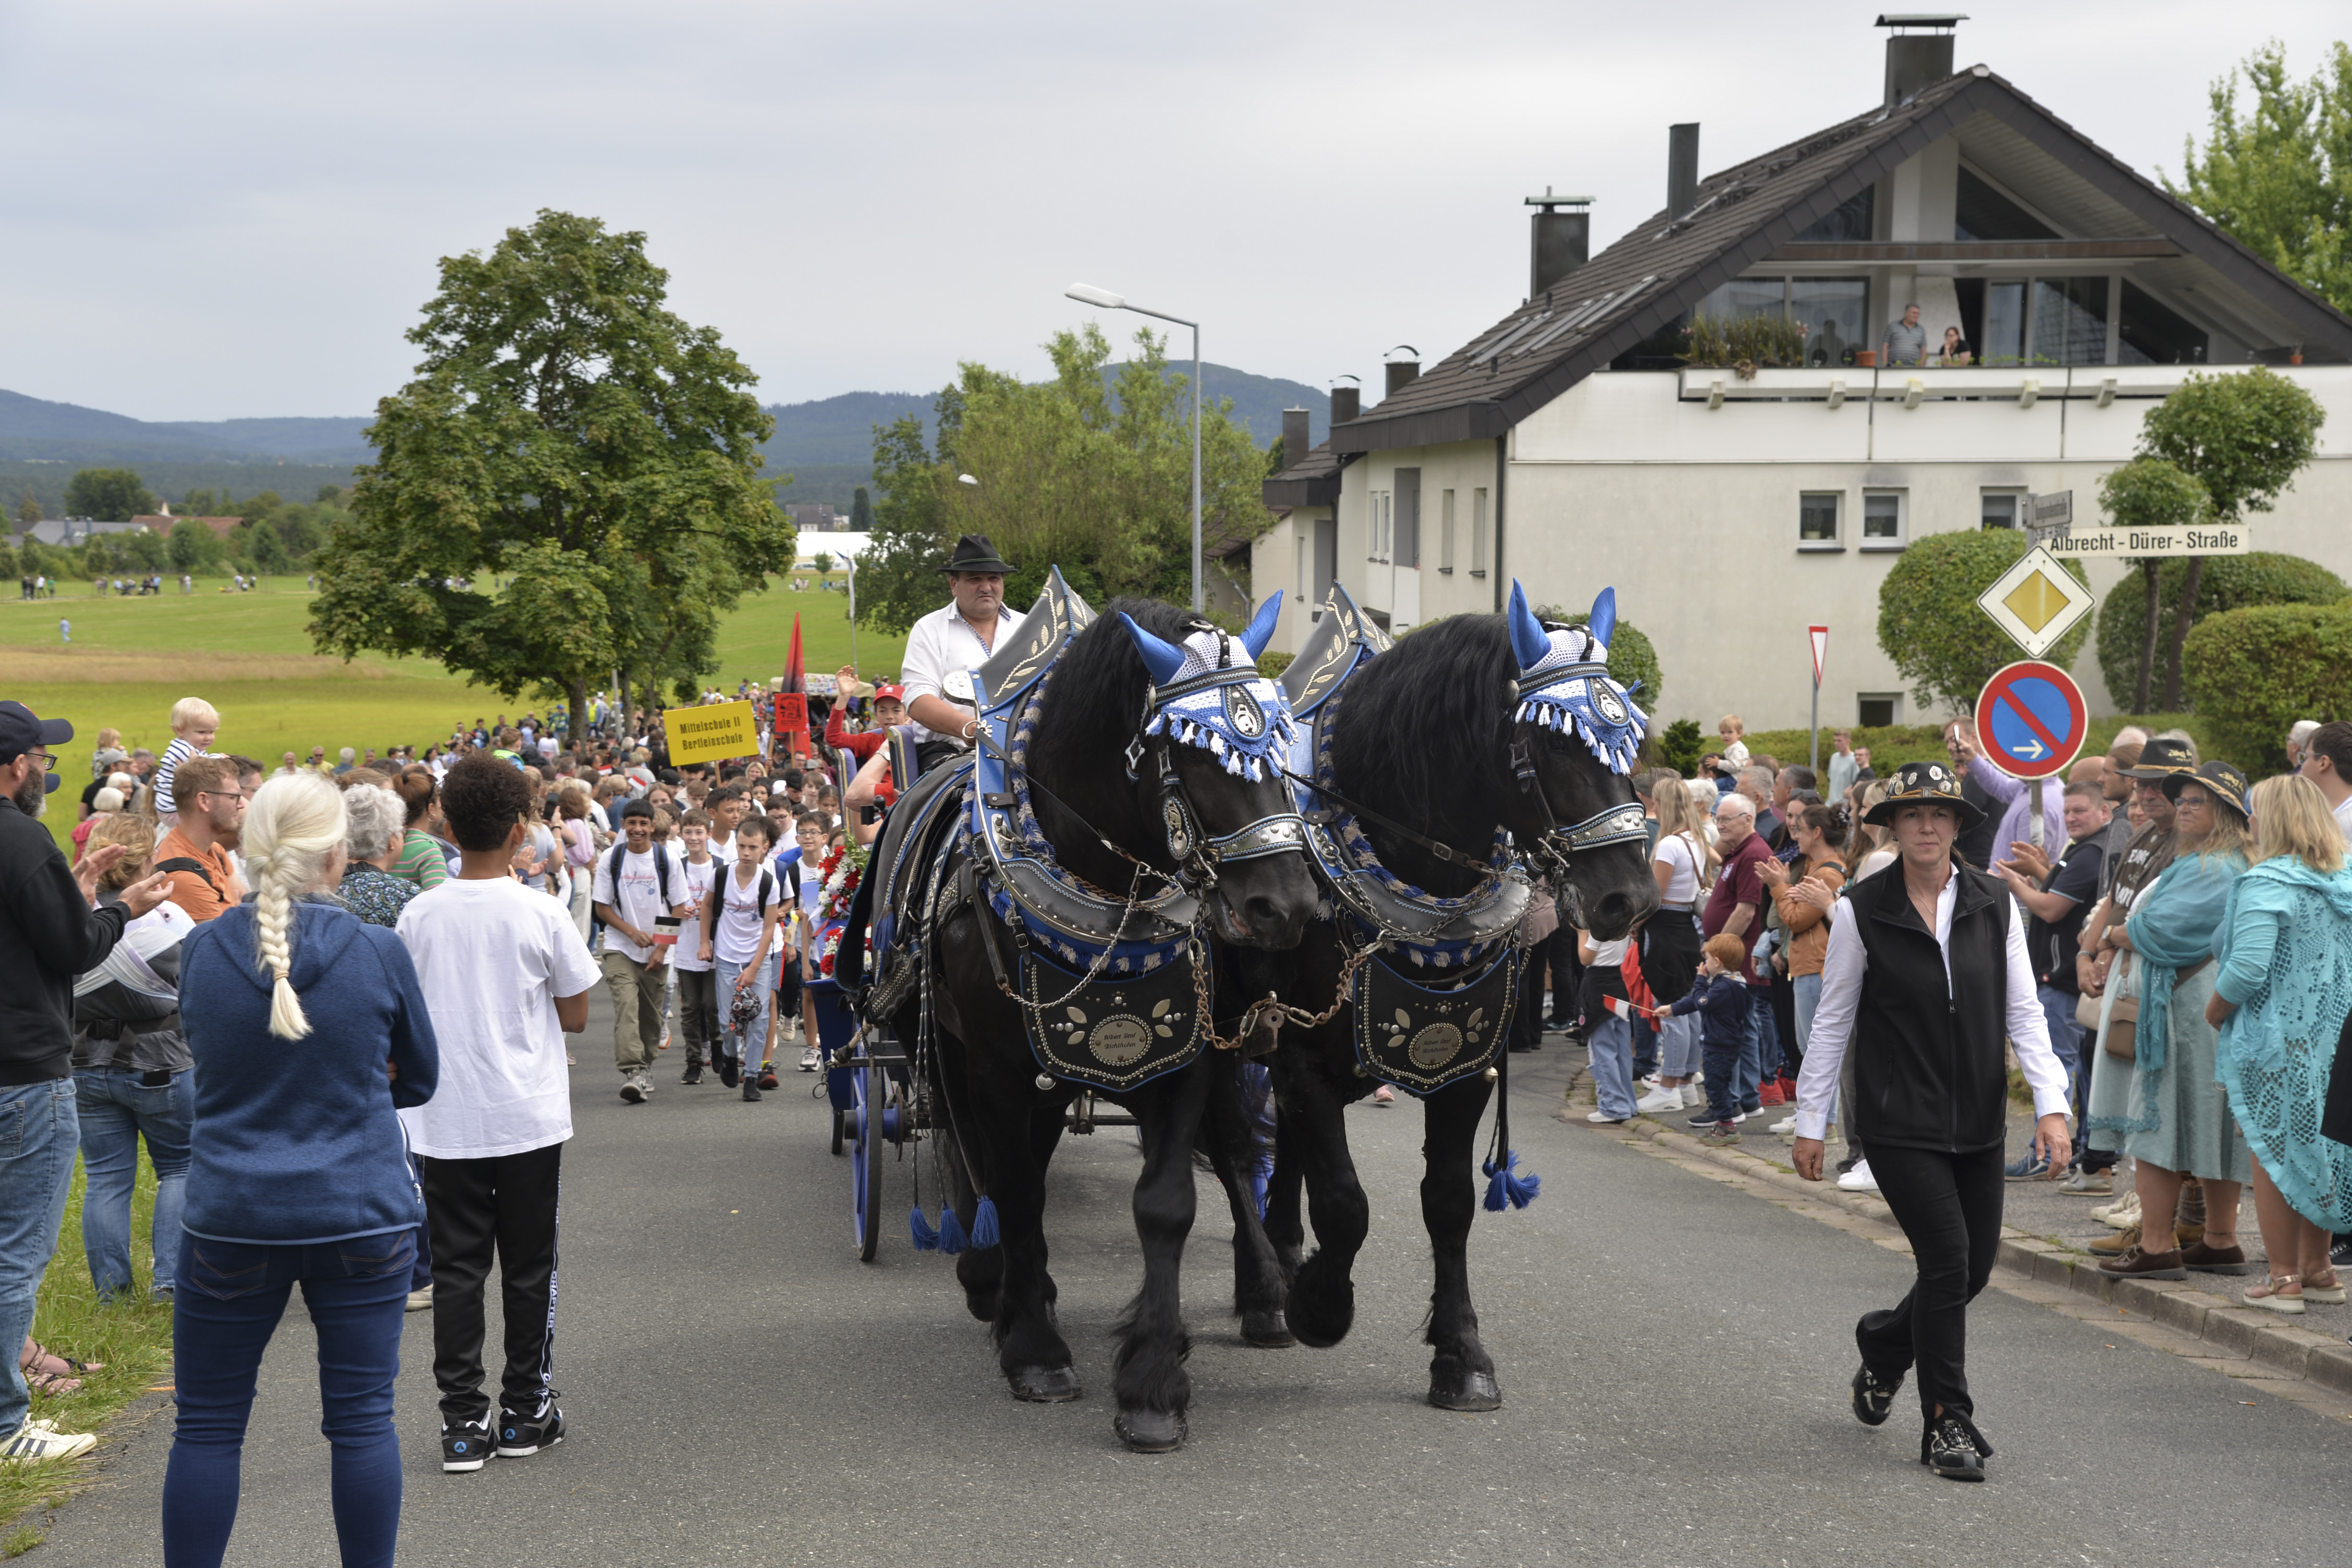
1479,531
2153,334
1744,297
2070,321
2001,508
1834,313
1305,563
1882,520
1817,521
1382,518
1846,223
1879,708
1445,532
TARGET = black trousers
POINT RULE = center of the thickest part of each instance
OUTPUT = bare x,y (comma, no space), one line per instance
698,1013
1950,1207
510,1204
1566,977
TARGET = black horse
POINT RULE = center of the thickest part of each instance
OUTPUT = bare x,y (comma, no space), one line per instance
1101,791
1425,737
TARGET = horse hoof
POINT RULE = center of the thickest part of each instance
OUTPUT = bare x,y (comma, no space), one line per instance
1150,1431
1267,1331
1464,1391
1043,1385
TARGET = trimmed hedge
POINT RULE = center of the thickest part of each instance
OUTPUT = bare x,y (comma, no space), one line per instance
2252,672
1930,628
2229,583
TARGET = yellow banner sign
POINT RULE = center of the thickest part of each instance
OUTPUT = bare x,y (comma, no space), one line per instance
710,734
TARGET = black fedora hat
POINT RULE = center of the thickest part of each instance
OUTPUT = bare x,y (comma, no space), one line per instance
1925,783
2219,780
973,552
2160,759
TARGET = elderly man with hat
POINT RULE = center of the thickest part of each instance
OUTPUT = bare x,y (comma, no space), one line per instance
51,933
1926,975
945,645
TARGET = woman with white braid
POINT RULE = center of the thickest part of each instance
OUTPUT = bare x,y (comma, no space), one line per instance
308,1030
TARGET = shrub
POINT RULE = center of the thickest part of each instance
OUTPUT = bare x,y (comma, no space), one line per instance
2254,672
1746,343
2228,583
1681,745
1931,626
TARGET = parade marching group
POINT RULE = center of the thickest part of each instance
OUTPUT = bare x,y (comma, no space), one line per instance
2166,957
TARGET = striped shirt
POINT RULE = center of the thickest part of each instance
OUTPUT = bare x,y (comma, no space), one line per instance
422,860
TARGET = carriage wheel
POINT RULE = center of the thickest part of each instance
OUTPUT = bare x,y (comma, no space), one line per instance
837,1132
871,1089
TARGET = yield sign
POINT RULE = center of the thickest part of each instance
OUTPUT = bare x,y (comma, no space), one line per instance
1821,636
2031,720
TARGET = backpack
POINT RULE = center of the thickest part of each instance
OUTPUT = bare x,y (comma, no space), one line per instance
661,870
182,863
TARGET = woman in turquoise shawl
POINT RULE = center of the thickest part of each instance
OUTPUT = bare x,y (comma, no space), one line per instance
2284,990
2180,1123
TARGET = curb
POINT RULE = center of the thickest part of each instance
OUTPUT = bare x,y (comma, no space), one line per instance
2261,1337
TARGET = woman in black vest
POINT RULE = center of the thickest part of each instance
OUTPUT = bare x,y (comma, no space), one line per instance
1927,971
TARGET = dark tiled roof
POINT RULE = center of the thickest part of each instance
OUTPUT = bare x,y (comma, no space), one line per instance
1662,269
1313,481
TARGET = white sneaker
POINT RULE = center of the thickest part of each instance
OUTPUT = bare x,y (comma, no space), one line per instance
1659,1100
1858,1180
1603,1117
1650,1079
809,1059
420,1300
1693,1096
1786,1124
2121,1215
39,1442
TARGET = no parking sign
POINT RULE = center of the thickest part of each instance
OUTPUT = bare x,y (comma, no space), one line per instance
2031,719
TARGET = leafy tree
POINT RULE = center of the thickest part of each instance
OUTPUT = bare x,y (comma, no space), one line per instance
568,437
822,562
206,503
2254,672
1275,461
108,495
2278,178
267,551
8,566
1681,746
195,548
2229,583
1929,625
2147,492
28,510
34,559
303,529
1088,472
330,495
2243,436
147,551
861,510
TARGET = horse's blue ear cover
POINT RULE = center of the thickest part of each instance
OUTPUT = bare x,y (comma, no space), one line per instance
1162,657
1527,638
1261,627
1603,624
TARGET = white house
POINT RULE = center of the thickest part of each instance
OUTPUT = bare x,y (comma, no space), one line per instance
1569,447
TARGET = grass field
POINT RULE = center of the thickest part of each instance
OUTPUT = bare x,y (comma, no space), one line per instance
249,656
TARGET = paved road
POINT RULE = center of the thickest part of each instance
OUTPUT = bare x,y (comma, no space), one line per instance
742,1390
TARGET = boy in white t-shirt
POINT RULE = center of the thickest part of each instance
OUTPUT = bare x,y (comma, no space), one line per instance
505,977
697,981
638,898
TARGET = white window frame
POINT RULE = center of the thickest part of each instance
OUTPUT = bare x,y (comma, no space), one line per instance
1893,699
1383,518
2015,492
1446,532
1835,543
1902,521
1478,541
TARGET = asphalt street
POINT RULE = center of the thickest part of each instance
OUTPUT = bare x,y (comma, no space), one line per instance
1674,1356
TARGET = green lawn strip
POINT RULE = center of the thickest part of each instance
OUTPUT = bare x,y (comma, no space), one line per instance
134,1338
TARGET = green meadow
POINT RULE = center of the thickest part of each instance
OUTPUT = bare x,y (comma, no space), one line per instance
249,656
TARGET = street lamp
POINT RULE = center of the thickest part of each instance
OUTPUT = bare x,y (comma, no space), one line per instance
1087,294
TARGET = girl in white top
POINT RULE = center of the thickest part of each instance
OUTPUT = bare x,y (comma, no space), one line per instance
739,932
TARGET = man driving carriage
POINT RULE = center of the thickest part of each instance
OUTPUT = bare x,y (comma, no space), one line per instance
947,645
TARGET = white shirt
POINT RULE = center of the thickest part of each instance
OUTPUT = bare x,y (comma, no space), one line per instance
1675,850
2029,1029
640,901
737,938
2344,816
698,883
491,958
942,643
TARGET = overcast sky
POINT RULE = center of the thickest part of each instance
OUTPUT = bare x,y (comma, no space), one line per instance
236,208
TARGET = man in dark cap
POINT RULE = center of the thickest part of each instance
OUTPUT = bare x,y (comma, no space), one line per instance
946,645
51,933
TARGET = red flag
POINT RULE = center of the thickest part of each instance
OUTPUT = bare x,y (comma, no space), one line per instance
792,702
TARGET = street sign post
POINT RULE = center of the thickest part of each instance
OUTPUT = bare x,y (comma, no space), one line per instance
1820,636
2036,601
2030,722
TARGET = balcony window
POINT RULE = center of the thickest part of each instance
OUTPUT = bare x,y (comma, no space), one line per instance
1882,520
1745,297
2150,333
1817,521
2070,321
1981,212
1834,314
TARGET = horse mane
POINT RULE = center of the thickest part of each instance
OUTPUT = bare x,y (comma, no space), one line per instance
1099,685
1398,743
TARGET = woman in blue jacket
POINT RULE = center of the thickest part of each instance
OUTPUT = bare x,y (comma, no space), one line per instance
307,1030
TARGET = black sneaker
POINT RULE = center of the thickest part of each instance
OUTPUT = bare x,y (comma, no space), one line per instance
1873,1401
465,1448
520,1435
1705,1119
1948,1448
693,1073
2340,1255
750,1088
728,1074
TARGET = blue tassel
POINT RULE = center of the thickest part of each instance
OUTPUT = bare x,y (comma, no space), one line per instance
983,1225
951,1236
926,1238
1522,1190
1494,1199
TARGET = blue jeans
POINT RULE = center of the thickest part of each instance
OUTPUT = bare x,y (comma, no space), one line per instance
1751,1049
2066,1035
1611,1048
116,1112
1678,1048
747,1049
230,1297
38,1133
1722,1077
1808,990
1645,1047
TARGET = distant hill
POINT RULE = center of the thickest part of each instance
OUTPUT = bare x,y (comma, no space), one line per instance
32,429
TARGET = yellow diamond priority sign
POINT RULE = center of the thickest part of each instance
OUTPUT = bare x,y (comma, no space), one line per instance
2036,601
